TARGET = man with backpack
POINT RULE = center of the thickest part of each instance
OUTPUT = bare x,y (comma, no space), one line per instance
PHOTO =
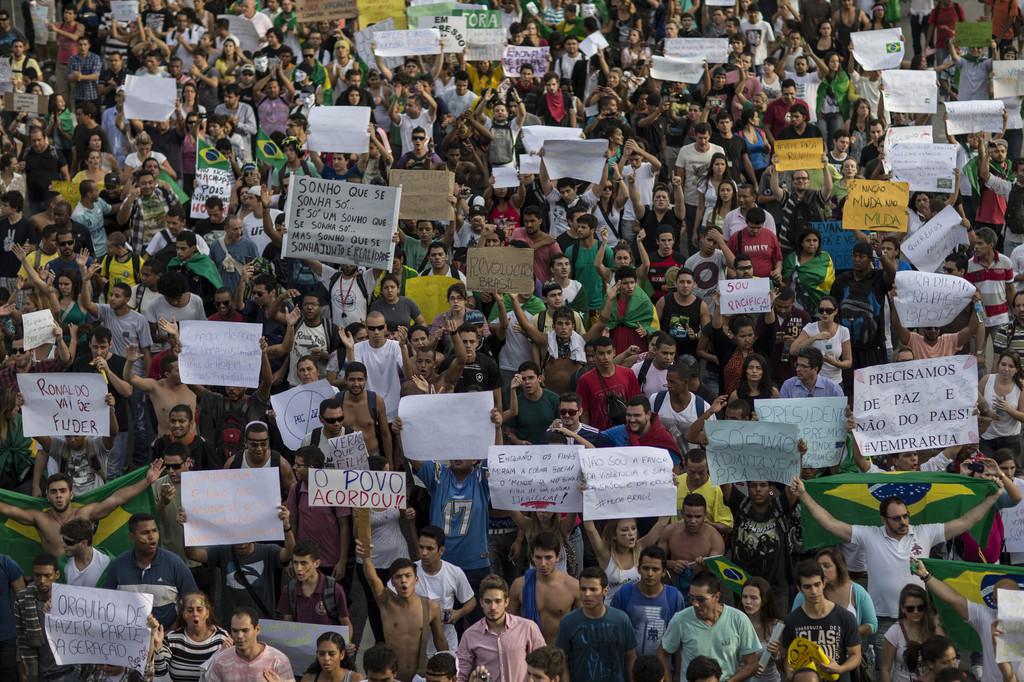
652,371
861,293
315,336
312,597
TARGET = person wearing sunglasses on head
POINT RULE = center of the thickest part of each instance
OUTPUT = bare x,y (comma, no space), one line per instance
86,565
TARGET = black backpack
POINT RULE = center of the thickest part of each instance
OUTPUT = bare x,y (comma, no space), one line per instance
859,317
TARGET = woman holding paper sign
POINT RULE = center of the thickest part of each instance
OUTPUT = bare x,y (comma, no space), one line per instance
618,548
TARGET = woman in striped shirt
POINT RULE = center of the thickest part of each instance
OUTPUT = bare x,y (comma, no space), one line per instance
193,640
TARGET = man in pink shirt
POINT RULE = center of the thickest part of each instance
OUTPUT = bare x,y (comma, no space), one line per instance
929,343
500,642
249,658
760,245
544,245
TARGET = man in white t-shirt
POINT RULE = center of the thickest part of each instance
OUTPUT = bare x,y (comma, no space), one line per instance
888,548
692,166
382,358
677,407
420,110
86,564
443,582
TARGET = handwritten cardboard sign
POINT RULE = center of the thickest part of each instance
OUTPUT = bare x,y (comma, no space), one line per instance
500,268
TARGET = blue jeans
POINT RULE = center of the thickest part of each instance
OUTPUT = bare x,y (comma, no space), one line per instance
119,454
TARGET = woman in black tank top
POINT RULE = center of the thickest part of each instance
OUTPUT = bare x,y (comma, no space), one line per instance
755,381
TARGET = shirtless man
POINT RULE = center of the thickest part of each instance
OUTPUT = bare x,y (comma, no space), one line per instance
689,541
402,614
164,393
545,594
58,493
358,416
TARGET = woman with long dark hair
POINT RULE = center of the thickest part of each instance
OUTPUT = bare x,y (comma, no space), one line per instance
332,664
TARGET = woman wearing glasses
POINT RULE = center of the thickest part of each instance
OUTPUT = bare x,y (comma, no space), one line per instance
917,623
830,337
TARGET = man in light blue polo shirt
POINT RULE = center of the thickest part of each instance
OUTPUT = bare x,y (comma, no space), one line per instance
808,382
710,628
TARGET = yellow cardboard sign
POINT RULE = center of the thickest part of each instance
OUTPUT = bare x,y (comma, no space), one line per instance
803,653
800,154
430,293
372,11
877,205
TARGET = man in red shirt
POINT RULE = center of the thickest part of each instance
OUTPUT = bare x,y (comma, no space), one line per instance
761,245
606,380
777,116
942,27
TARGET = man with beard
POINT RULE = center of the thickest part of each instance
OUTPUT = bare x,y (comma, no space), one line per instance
58,493
688,540
641,429
929,342
258,455
545,594
517,637
544,245
182,432
149,569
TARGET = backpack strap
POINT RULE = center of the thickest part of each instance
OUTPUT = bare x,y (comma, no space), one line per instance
659,400
136,266
241,578
316,436
644,369
330,603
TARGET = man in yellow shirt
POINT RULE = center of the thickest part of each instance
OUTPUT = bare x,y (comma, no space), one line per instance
45,252
697,480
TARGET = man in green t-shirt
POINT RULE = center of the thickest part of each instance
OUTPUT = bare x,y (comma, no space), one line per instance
538,407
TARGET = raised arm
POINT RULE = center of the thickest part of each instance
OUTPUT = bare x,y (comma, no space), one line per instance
99,510
941,590
840,529
964,523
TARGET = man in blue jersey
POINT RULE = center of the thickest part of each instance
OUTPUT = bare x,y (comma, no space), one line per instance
650,604
459,504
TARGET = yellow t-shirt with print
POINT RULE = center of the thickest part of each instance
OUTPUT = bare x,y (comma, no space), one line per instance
38,259
115,271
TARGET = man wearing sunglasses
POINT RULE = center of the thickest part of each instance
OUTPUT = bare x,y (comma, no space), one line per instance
382,357
85,564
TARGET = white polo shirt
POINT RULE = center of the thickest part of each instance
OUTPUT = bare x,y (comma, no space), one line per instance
888,560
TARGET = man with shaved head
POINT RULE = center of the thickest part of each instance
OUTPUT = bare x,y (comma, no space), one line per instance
382,358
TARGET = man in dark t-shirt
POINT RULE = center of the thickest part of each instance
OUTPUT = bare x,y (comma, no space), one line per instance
832,627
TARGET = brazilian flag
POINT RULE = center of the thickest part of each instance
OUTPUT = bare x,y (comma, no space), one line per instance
976,582
731,575
208,156
22,542
165,178
930,498
268,152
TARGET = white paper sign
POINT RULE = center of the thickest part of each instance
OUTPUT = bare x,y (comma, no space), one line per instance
535,477
1007,78
249,38
149,98
627,482
64,404
297,641
37,328
485,44
467,433
342,222
92,625
916,405
927,167
1010,644
417,41
913,92
347,452
578,159
339,129
529,164
590,45
714,50
124,11
677,70
517,56
231,506
928,246
1013,525
505,176
220,353
928,299
821,424
978,116
878,50
895,136
534,137
745,295
357,488
752,451
451,29
364,43
211,182
298,410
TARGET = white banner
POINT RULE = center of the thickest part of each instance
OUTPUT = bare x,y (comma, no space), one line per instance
451,29
417,41
535,477
244,30
978,116
358,489
895,136
714,50
516,56
347,452
231,506
627,483
342,222
149,98
821,424
37,329
927,299
220,353
878,50
737,296
928,245
534,137
916,405
467,434
210,182
124,11
590,45
485,44
1010,612
577,159
297,410
1007,78
64,404
339,129
505,176
912,92
677,70
752,451
926,167
1013,525
92,625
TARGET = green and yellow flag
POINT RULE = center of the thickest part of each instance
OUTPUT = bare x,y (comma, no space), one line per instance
930,498
976,582
22,542
165,178
208,156
731,575
268,152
